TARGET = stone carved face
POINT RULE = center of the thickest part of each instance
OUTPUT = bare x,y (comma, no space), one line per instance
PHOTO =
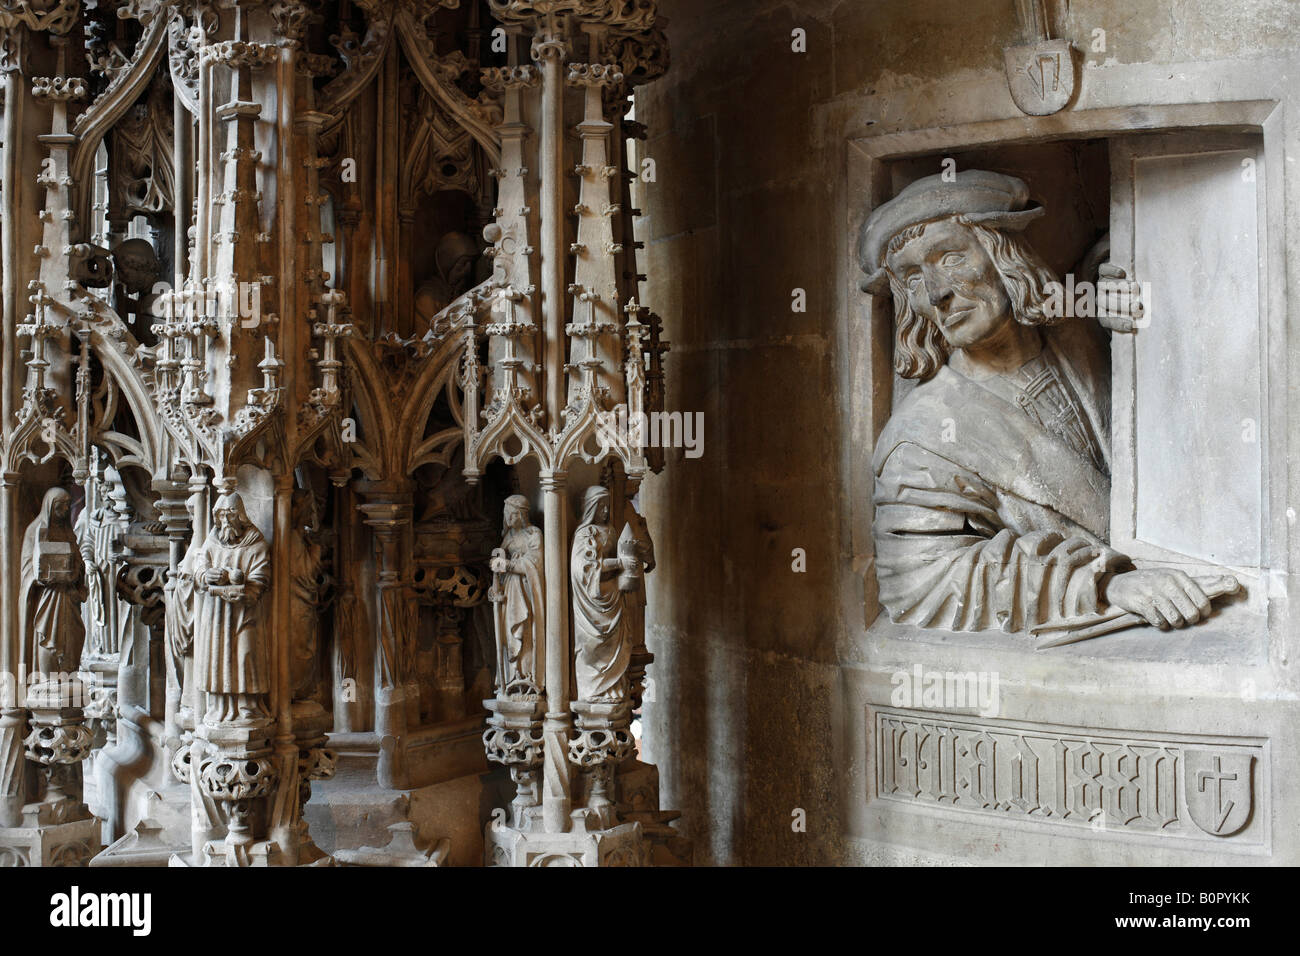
953,283
516,518
229,527
455,257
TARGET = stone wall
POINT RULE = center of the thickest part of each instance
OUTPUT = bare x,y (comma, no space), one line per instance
761,670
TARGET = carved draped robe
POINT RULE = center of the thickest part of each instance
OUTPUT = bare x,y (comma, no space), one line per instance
51,615
993,501
180,610
519,617
230,642
601,633
308,570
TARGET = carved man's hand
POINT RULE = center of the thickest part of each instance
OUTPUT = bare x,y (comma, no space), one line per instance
1119,301
1163,597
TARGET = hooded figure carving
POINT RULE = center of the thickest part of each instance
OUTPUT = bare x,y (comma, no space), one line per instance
53,586
602,637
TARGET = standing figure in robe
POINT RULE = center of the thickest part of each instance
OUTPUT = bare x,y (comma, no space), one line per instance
179,623
310,580
520,601
636,541
992,477
53,587
231,659
602,633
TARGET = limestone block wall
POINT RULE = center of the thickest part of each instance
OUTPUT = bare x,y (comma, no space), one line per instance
762,154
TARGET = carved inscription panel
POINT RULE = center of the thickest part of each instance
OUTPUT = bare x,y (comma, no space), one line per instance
1170,785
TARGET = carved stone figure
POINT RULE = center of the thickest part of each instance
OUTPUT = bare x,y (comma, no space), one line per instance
137,267
519,597
53,585
309,581
636,540
602,637
454,258
992,477
230,642
217,296
180,613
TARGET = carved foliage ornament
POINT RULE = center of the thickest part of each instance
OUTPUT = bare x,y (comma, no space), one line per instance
236,777
291,18
57,17
624,14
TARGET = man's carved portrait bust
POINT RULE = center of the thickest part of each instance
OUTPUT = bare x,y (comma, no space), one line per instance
992,477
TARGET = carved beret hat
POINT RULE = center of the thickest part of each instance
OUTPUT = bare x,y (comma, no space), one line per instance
993,199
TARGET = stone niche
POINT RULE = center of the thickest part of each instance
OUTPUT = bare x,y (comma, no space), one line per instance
1140,746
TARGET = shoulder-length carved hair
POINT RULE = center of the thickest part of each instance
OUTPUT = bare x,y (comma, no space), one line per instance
919,347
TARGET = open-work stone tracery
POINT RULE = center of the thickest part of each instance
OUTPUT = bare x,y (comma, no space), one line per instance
316,316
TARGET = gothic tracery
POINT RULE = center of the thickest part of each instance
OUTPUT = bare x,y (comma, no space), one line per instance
316,287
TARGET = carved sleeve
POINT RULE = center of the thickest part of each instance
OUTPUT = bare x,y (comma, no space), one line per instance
954,552
530,555
259,565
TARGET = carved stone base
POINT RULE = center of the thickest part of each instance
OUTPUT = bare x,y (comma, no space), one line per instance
404,848
263,853
58,844
163,829
636,787
349,813
429,755
623,845
222,853
143,846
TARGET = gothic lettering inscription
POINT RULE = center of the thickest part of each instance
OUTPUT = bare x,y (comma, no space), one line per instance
1172,785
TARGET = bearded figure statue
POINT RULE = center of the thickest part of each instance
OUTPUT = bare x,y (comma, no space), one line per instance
231,573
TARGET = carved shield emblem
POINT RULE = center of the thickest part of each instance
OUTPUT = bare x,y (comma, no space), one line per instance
1219,789
1040,75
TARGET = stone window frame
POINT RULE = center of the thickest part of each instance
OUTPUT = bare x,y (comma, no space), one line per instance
868,331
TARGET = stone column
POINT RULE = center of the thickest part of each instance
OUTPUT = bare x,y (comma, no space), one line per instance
285,809
551,50
397,695
172,496
13,716
557,793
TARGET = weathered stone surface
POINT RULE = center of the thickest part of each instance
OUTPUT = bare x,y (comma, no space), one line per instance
313,289
803,147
